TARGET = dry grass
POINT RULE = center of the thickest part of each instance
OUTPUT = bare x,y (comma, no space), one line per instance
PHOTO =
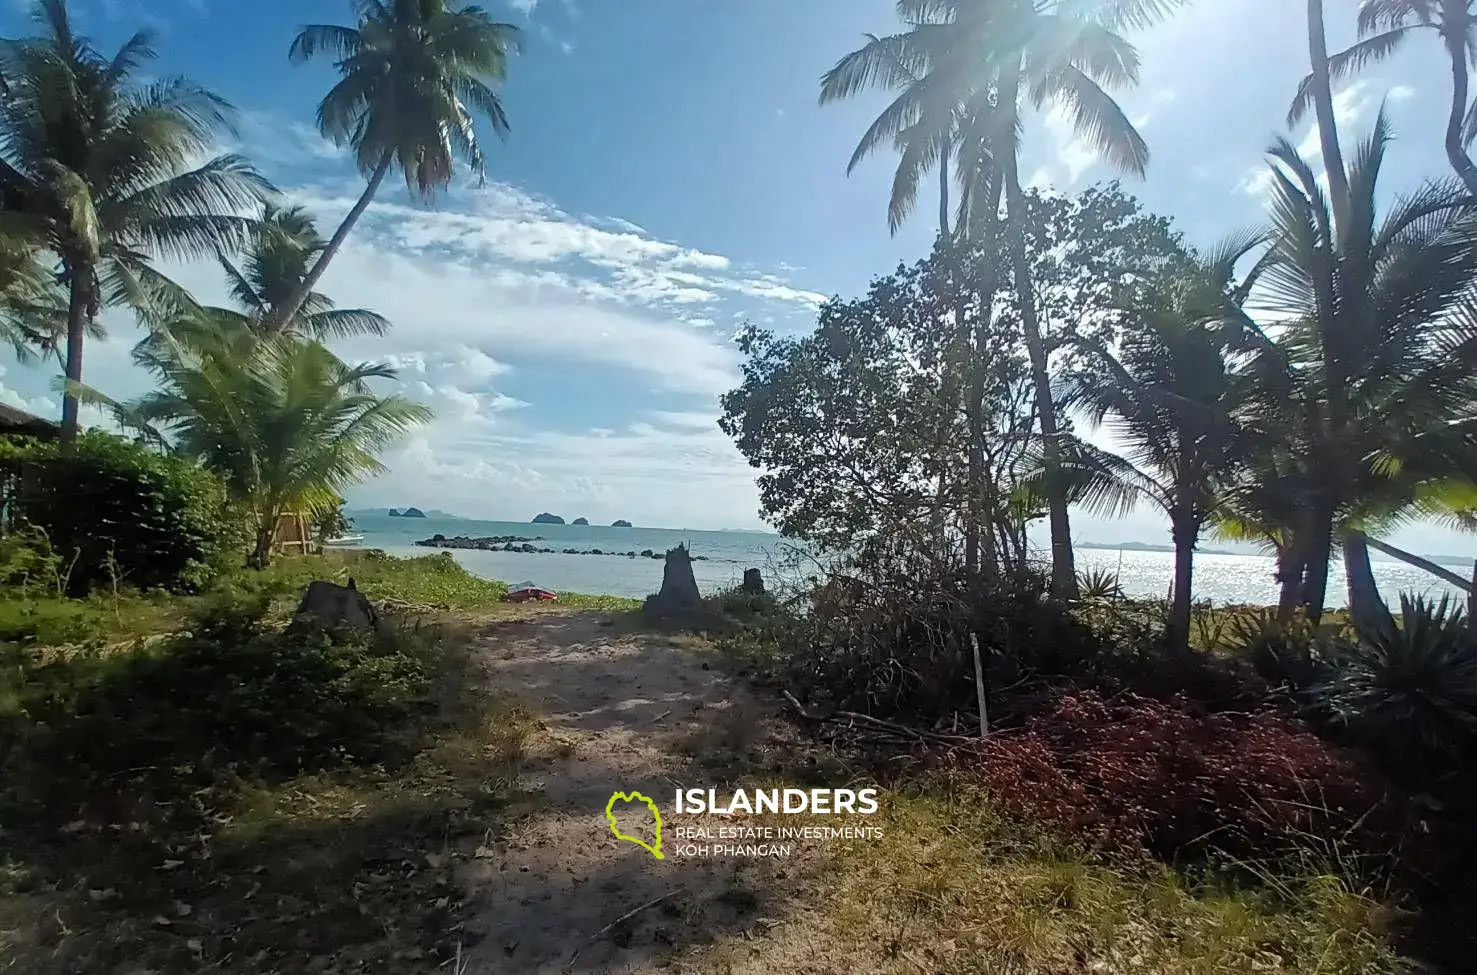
953,889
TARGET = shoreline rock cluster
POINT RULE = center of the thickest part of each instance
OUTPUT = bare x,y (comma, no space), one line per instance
518,543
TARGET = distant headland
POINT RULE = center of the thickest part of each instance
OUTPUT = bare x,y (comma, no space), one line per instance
407,513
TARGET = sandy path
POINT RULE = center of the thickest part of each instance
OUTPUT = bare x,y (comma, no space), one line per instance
623,713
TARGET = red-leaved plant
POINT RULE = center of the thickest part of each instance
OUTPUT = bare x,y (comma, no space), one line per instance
1145,777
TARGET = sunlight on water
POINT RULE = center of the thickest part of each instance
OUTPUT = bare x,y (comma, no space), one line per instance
1247,578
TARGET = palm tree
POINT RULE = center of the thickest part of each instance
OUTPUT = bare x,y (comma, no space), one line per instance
98,166
1380,327
1383,26
1319,91
33,310
414,77
275,264
927,123
1057,52
283,420
1173,396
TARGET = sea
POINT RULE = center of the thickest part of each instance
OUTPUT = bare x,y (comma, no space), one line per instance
1219,578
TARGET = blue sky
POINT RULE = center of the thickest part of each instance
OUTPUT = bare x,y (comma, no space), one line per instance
669,175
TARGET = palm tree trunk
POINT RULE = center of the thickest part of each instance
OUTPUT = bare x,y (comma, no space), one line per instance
1328,135
266,532
1063,567
974,405
1319,551
1365,604
289,309
1456,152
78,306
944,191
1290,569
1184,532
1437,570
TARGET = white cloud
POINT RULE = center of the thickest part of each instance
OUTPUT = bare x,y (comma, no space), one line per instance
524,7
566,47
1350,105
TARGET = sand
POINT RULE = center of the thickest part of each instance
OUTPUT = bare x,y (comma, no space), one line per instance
621,713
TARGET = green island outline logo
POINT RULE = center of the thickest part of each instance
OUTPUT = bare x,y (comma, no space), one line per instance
656,850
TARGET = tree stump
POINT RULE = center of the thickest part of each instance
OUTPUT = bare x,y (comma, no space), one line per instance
330,605
753,584
679,587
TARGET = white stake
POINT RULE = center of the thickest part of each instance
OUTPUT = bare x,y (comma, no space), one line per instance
979,684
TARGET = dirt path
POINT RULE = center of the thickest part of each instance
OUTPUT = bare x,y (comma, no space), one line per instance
622,713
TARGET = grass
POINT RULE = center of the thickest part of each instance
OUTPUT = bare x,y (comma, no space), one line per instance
426,584
952,888
275,838
215,859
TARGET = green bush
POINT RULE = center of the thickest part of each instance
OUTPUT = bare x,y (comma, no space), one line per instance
1407,692
114,513
228,700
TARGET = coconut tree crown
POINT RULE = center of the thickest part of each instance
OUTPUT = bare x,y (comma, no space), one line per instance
415,75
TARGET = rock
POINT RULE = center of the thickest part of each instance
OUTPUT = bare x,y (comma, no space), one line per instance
438,537
329,604
395,513
580,521
620,523
525,547
753,583
596,551
647,553
412,513
544,518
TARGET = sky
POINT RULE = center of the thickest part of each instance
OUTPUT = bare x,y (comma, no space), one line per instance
670,176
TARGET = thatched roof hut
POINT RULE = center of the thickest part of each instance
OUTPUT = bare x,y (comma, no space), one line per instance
14,422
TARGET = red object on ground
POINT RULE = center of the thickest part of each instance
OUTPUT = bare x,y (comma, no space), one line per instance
525,591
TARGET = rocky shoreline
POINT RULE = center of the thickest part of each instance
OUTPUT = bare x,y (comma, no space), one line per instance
518,543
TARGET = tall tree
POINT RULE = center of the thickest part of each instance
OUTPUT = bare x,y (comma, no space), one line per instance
1173,397
1379,324
415,75
275,264
1056,53
1386,24
96,164
283,420
1320,94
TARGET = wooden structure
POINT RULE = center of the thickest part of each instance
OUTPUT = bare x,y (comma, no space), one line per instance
294,535
15,480
19,423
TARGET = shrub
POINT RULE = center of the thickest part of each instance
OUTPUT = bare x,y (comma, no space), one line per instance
1145,777
228,699
113,512
1407,691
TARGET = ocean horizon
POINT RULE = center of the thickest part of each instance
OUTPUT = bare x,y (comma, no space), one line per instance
1220,577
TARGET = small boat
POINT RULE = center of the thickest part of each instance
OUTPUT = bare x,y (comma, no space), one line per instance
525,591
344,540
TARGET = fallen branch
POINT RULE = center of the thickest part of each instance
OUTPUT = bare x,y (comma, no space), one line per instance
879,723
569,965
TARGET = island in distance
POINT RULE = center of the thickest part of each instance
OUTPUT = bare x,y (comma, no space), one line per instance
524,544
545,518
407,513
